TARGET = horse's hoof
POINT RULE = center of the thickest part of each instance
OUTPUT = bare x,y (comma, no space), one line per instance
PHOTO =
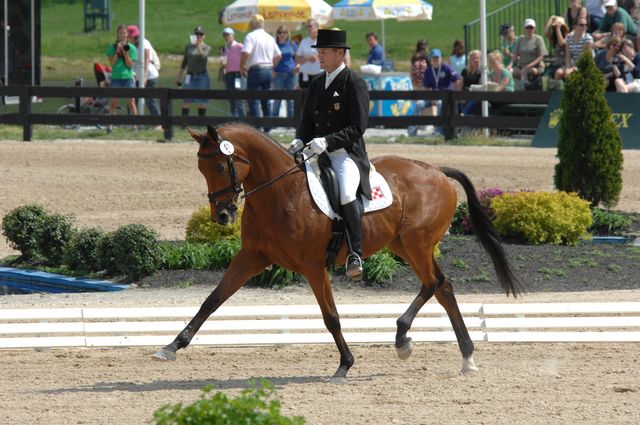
404,352
164,354
339,380
468,367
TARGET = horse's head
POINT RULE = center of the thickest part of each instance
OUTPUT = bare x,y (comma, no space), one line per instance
224,170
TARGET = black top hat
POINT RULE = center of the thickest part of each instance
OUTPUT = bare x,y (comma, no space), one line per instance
332,38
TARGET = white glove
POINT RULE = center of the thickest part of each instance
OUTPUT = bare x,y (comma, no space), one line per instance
318,145
295,146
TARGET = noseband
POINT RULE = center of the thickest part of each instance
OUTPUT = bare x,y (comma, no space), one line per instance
234,188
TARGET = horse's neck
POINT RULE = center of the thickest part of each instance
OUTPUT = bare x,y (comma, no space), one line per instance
268,161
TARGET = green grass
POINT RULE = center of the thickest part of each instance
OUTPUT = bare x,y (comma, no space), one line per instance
69,52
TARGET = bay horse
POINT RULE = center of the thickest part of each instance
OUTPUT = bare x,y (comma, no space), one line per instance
282,225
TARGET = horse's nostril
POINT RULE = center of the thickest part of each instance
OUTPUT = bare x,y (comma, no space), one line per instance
223,218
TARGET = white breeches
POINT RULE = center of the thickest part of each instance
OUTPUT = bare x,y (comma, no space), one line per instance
348,175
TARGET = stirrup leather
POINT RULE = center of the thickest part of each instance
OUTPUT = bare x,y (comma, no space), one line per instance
353,266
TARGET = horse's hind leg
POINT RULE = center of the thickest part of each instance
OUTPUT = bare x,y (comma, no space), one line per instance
243,266
424,271
447,299
321,287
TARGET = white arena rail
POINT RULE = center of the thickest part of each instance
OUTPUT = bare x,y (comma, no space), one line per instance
302,324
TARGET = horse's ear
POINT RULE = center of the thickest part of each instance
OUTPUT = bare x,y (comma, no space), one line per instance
213,133
198,137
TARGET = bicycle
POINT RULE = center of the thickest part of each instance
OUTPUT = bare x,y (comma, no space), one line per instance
94,105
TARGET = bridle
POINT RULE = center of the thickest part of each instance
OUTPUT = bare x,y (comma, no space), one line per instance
235,185
226,148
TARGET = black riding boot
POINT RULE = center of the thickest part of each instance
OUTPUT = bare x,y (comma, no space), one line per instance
352,218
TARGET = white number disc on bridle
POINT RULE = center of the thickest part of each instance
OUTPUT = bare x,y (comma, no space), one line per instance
226,148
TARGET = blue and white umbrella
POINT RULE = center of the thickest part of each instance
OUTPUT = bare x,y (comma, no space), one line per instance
380,10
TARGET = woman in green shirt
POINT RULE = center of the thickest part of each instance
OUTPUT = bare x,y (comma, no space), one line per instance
122,57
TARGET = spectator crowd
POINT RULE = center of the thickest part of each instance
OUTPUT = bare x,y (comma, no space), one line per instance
533,60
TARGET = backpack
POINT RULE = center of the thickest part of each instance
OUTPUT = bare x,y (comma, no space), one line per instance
154,59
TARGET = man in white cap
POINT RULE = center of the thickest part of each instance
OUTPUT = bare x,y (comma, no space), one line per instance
231,53
613,15
528,54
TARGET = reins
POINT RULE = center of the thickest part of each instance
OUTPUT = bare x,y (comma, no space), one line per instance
275,179
235,186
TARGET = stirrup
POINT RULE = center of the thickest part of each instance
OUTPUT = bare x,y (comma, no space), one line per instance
353,266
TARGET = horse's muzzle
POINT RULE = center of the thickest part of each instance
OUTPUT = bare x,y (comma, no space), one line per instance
224,217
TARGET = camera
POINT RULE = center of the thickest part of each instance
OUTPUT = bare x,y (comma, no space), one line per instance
125,47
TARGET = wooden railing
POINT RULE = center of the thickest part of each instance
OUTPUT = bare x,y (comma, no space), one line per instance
449,120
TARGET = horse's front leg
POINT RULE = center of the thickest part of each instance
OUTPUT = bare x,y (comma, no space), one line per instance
242,267
321,286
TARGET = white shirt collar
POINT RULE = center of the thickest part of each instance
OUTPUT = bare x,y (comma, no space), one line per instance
332,75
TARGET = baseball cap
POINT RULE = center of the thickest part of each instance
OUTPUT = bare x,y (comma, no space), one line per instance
133,31
608,3
228,31
436,53
531,23
197,30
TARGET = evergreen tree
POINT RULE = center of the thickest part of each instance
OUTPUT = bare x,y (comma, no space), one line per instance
589,146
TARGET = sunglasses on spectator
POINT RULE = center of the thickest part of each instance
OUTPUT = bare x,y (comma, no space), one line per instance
529,27
199,33
282,33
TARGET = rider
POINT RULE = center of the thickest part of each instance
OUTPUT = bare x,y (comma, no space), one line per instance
334,118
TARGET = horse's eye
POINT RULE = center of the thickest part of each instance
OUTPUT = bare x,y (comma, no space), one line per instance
219,168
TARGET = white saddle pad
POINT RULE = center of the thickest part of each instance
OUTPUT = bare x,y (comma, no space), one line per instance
381,196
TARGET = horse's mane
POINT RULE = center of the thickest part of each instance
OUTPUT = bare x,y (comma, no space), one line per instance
252,129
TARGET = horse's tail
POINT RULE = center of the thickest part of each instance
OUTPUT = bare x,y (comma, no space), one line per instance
486,233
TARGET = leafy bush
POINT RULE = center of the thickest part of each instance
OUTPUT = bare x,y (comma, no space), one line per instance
133,250
224,251
542,217
380,267
609,223
21,227
54,235
459,217
82,254
253,406
589,144
200,228
274,277
187,255
461,223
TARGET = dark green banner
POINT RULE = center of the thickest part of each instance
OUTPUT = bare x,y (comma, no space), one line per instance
626,114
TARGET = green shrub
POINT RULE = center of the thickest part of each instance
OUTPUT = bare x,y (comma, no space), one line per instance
187,255
609,223
380,267
132,251
200,228
82,254
21,227
457,223
542,217
224,251
274,277
55,234
252,407
589,144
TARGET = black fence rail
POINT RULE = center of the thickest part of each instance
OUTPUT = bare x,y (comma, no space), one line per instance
449,120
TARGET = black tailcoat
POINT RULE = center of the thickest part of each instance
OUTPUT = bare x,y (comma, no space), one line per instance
340,114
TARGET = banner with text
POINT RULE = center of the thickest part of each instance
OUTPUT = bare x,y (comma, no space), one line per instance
626,115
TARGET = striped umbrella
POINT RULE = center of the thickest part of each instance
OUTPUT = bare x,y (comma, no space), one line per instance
290,13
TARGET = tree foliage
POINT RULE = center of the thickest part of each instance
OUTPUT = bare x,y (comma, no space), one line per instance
589,146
